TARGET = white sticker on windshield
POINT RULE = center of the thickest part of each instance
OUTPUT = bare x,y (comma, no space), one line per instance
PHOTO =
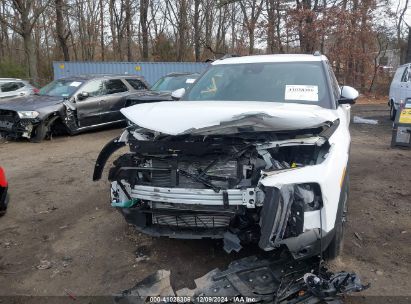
301,92
190,80
75,84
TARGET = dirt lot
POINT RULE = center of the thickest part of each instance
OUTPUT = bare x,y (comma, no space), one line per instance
59,215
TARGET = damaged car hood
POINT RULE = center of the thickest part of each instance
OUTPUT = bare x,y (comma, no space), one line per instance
148,95
227,117
30,103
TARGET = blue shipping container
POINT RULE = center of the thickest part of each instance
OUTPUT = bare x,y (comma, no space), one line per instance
151,71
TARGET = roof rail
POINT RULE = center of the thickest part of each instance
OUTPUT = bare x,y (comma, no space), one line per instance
317,53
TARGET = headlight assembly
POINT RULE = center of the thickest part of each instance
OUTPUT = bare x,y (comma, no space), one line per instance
28,114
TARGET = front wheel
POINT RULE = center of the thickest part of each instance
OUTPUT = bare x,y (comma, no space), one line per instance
40,132
3,205
393,111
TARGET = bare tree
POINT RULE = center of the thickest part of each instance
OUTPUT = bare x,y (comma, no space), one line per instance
62,33
144,6
22,20
196,25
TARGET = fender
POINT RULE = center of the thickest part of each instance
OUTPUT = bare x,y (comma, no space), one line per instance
111,147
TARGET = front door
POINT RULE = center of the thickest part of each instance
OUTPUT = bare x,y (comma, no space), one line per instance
89,110
114,100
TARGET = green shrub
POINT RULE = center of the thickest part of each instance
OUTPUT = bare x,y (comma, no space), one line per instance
9,69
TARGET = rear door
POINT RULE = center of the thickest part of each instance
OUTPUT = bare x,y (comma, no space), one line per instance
407,85
114,100
404,85
90,109
395,86
136,84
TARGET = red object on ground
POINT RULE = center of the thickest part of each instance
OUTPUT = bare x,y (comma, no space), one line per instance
36,91
3,180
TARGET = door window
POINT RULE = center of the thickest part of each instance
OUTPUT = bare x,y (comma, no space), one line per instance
405,76
136,84
115,86
334,83
11,86
94,88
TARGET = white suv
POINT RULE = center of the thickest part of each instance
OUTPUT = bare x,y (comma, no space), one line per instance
256,151
400,89
13,87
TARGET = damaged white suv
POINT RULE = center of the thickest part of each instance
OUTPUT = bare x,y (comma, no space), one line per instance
256,151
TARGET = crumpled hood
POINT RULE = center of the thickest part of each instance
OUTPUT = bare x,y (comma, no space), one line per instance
147,95
194,116
29,103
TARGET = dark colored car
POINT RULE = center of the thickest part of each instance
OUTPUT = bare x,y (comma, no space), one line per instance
3,192
73,105
161,90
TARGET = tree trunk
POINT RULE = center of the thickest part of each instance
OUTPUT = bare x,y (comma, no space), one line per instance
144,4
102,46
31,58
197,29
182,29
270,26
278,27
233,29
62,36
128,30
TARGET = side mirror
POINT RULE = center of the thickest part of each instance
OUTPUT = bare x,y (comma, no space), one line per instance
177,94
83,95
348,95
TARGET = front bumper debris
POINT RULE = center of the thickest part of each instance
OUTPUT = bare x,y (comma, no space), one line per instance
13,126
251,280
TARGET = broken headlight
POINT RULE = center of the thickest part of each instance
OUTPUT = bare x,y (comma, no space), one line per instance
310,195
27,114
130,123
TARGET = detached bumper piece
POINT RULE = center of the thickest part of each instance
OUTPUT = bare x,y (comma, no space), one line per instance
282,220
251,280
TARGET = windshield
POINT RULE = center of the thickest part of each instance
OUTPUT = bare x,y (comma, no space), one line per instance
296,82
61,88
171,83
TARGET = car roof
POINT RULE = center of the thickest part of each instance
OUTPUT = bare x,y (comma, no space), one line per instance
11,79
271,58
108,76
176,74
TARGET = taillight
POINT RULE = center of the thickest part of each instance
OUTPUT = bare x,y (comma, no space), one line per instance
3,181
36,91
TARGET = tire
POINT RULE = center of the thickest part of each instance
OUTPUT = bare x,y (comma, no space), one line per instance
336,245
39,133
393,111
3,206
42,130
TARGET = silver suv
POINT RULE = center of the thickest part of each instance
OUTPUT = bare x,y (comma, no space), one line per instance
13,87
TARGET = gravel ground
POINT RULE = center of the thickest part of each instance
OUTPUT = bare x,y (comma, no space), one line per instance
60,220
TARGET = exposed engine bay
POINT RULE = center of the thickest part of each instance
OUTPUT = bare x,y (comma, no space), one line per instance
196,186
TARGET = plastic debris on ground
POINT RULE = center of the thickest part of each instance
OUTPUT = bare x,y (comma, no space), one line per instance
253,279
231,242
360,120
